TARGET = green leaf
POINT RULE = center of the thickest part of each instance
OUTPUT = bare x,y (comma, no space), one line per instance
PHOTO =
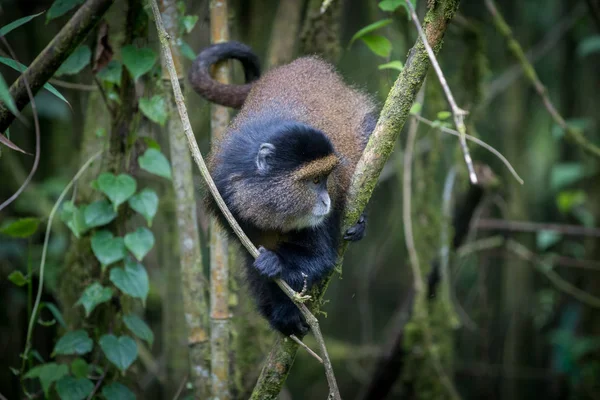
188,22
121,351
80,368
61,7
117,188
107,248
547,239
21,228
565,174
145,203
566,201
6,98
390,5
70,388
98,213
18,278
111,72
415,109
155,109
74,342
133,280
117,391
21,68
47,373
397,65
370,28
442,115
156,163
73,217
588,46
94,295
138,61
139,242
378,44
186,50
139,328
77,61
55,313
17,23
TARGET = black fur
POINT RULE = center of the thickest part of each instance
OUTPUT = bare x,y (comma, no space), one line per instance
311,251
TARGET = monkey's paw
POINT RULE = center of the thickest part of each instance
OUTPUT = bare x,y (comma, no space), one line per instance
267,263
357,231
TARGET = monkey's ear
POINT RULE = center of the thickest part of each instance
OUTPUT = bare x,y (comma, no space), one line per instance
265,151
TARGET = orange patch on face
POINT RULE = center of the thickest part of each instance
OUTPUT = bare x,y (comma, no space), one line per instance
320,166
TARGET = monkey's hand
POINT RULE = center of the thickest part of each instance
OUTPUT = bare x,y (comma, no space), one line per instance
267,263
357,231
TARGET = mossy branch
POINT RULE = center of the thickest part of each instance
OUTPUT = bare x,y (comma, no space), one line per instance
187,128
381,144
54,54
515,48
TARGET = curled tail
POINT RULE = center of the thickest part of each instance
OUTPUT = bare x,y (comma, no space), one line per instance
220,93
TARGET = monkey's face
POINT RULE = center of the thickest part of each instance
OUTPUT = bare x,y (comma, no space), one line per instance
315,200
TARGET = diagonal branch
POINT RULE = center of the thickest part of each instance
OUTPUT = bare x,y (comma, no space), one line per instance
381,144
572,134
54,54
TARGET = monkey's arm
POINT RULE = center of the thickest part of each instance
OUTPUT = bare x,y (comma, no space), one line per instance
294,263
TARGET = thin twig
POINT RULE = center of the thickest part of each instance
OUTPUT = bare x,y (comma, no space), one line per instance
528,226
574,135
477,141
187,128
546,269
180,388
38,297
458,113
305,347
97,385
36,122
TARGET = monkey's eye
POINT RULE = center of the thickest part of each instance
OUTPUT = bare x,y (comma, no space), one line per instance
316,180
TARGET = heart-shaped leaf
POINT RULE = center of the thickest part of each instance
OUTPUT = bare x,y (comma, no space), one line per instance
48,373
21,228
93,295
117,188
370,28
145,203
121,351
77,61
18,278
80,368
188,22
139,328
133,280
73,217
138,61
111,73
397,65
98,213
139,242
61,7
155,109
70,388
156,163
75,342
117,391
107,248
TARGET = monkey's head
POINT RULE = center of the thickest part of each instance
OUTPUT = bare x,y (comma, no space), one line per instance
279,175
